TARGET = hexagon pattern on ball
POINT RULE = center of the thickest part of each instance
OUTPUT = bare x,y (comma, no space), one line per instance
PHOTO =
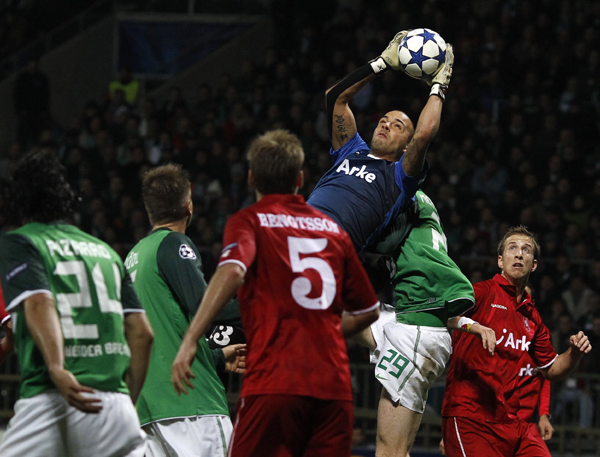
421,53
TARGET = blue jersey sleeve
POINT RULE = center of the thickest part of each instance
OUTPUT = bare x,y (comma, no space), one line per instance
356,144
409,186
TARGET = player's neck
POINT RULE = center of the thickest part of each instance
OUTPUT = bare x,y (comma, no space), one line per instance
519,283
177,226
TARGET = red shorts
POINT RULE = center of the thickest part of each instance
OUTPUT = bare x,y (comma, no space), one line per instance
465,437
291,426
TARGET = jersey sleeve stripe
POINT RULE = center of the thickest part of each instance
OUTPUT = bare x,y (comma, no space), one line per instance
24,295
3,321
133,310
462,298
237,262
366,310
550,363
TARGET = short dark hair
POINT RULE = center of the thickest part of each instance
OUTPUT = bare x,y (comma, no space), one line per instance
165,191
275,159
519,230
38,189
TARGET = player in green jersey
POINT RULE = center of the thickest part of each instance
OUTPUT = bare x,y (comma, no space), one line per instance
82,339
167,275
411,343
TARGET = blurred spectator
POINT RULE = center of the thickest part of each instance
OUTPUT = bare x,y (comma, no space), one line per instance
125,83
564,329
576,296
586,321
32,103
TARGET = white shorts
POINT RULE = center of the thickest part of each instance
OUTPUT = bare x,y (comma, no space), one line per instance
196,436
46,426
386,314
412,357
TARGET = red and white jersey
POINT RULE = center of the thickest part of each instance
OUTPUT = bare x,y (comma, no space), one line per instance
301,272
484,387
534,392
4,316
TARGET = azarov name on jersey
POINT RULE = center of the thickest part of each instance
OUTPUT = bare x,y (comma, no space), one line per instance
355,171
67,247
305,223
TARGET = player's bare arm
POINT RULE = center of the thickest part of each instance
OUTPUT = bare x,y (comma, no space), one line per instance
343,124
427,128
354,323
43,323
546,429
365,339
566,362
485,334
140,336
221,288
429,120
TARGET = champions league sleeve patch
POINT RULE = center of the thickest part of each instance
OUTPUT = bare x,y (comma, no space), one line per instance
186,252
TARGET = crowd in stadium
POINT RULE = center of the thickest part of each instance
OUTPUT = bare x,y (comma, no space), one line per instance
518,142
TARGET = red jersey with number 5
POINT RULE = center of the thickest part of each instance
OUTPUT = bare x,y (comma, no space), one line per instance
301,272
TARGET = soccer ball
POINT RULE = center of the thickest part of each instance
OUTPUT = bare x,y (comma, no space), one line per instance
421,53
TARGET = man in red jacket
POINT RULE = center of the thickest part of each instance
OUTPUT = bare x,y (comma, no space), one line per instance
482,399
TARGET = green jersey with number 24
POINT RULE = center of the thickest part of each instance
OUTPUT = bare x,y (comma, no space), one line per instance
91,291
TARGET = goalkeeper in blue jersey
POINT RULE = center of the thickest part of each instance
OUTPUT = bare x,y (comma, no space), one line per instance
368,187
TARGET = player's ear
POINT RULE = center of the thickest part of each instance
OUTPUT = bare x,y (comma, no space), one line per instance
534,266
250,178
299,180
500,263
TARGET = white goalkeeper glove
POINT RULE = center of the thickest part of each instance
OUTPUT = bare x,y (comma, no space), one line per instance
439,82
389,56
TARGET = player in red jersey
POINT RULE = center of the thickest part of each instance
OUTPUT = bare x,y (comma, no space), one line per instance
482,400
301,289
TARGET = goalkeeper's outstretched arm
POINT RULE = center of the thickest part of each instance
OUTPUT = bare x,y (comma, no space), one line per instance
342,125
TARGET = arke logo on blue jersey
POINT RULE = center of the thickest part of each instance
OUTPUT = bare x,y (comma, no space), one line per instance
360,172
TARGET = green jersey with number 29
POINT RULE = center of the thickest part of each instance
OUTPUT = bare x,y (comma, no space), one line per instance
91,291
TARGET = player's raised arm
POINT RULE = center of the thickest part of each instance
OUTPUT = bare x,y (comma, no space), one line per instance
429,120
565,363
342,125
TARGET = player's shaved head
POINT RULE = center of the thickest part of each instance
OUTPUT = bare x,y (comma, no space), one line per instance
275,159
38,190
166,191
